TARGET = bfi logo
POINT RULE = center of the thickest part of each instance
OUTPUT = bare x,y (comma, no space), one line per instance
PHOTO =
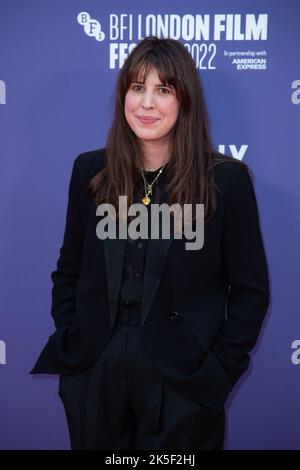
2,92
92,27
2,352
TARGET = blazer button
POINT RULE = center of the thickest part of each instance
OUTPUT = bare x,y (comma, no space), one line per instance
174,316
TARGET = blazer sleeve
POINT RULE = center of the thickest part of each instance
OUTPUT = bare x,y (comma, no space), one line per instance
65,277
245,268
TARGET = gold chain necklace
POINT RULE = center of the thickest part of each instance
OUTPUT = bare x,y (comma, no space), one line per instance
148,187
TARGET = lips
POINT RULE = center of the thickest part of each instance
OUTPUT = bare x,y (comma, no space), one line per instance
147,119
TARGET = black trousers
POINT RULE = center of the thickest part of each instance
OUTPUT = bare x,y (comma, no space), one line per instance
121,402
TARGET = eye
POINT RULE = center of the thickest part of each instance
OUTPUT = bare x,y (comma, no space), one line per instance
165,91
162,90
136,87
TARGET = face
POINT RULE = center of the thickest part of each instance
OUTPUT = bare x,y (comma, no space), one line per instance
151,100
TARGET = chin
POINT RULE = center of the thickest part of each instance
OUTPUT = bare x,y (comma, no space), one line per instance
149,137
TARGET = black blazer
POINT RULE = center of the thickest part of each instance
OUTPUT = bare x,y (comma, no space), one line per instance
202,310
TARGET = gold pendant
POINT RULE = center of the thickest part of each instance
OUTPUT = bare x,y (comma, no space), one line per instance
146,200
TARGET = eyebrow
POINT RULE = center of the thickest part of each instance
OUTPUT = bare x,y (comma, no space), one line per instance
158,84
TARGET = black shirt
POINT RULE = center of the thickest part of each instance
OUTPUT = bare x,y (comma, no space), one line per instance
135,251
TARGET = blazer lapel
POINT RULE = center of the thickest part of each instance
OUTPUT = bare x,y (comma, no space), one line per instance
114,250
157,252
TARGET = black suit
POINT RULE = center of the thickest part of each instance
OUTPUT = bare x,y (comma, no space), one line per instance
202,310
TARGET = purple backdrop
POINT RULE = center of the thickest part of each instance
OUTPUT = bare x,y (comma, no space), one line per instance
56,100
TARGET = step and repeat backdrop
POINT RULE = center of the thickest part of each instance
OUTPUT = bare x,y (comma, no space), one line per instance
59,61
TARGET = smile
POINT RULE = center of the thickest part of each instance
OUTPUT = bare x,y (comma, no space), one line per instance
147,120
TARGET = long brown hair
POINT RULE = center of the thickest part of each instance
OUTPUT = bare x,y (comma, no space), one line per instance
190,168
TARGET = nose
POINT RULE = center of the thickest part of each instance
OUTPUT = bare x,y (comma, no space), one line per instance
147,100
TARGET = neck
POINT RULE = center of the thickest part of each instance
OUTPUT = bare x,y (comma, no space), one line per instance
155,155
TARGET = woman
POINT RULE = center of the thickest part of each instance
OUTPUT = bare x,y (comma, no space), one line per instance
150,336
